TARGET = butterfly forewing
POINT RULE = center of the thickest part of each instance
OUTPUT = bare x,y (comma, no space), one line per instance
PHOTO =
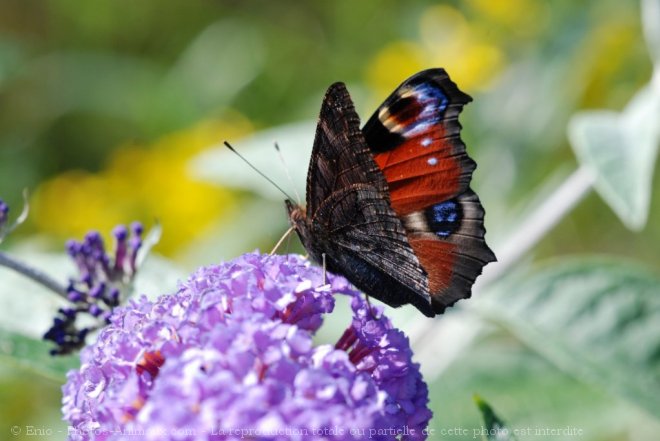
349,217
415,139
340,156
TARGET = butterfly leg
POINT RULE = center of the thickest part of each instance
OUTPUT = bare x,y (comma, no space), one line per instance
279,242
324,271
371,311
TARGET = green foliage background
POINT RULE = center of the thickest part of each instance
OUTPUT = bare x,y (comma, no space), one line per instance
112,110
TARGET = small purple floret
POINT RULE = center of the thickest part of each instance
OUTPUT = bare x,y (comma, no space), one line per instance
93,244
68,312
233,350
4,213
72,248
4,208
120,232
74,296
97,291
135,243
95,310
137,228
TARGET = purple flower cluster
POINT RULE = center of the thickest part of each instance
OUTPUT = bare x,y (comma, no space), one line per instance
98,289
230,356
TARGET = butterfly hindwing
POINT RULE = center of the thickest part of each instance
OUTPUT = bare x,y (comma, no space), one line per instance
415,139
349,217
453,253
365,241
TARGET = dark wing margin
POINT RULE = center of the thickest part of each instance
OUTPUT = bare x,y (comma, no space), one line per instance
454,262
471,253
401,114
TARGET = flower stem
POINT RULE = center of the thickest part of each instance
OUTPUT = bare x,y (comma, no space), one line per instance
651,27
34,274
537,225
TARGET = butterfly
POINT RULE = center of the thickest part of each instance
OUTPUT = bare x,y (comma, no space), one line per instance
389,206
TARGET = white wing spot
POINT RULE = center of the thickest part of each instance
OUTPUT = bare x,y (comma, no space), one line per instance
432,161
426,142
416,222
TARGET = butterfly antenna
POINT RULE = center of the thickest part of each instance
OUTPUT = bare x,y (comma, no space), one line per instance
257,170
279,242
288,175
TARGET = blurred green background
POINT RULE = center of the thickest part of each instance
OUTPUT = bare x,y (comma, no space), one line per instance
104,104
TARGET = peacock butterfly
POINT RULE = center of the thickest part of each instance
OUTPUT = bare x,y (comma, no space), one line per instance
390,206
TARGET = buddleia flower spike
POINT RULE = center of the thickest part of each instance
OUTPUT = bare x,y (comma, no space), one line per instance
103,281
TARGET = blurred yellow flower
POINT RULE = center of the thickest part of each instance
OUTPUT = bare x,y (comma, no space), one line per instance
393,63
142,183
446,40
518,18
605,62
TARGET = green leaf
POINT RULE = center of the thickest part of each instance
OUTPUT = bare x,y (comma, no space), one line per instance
621,149
222,60
651,26
596,318
494,428
151,240
27,308
535,396
33,354
221,166
157,276
131,89
11,56
264,219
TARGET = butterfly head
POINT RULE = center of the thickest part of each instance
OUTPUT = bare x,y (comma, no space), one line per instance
297,217
296,213
301,223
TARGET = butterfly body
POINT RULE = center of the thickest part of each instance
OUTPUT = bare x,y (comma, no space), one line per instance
390,205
